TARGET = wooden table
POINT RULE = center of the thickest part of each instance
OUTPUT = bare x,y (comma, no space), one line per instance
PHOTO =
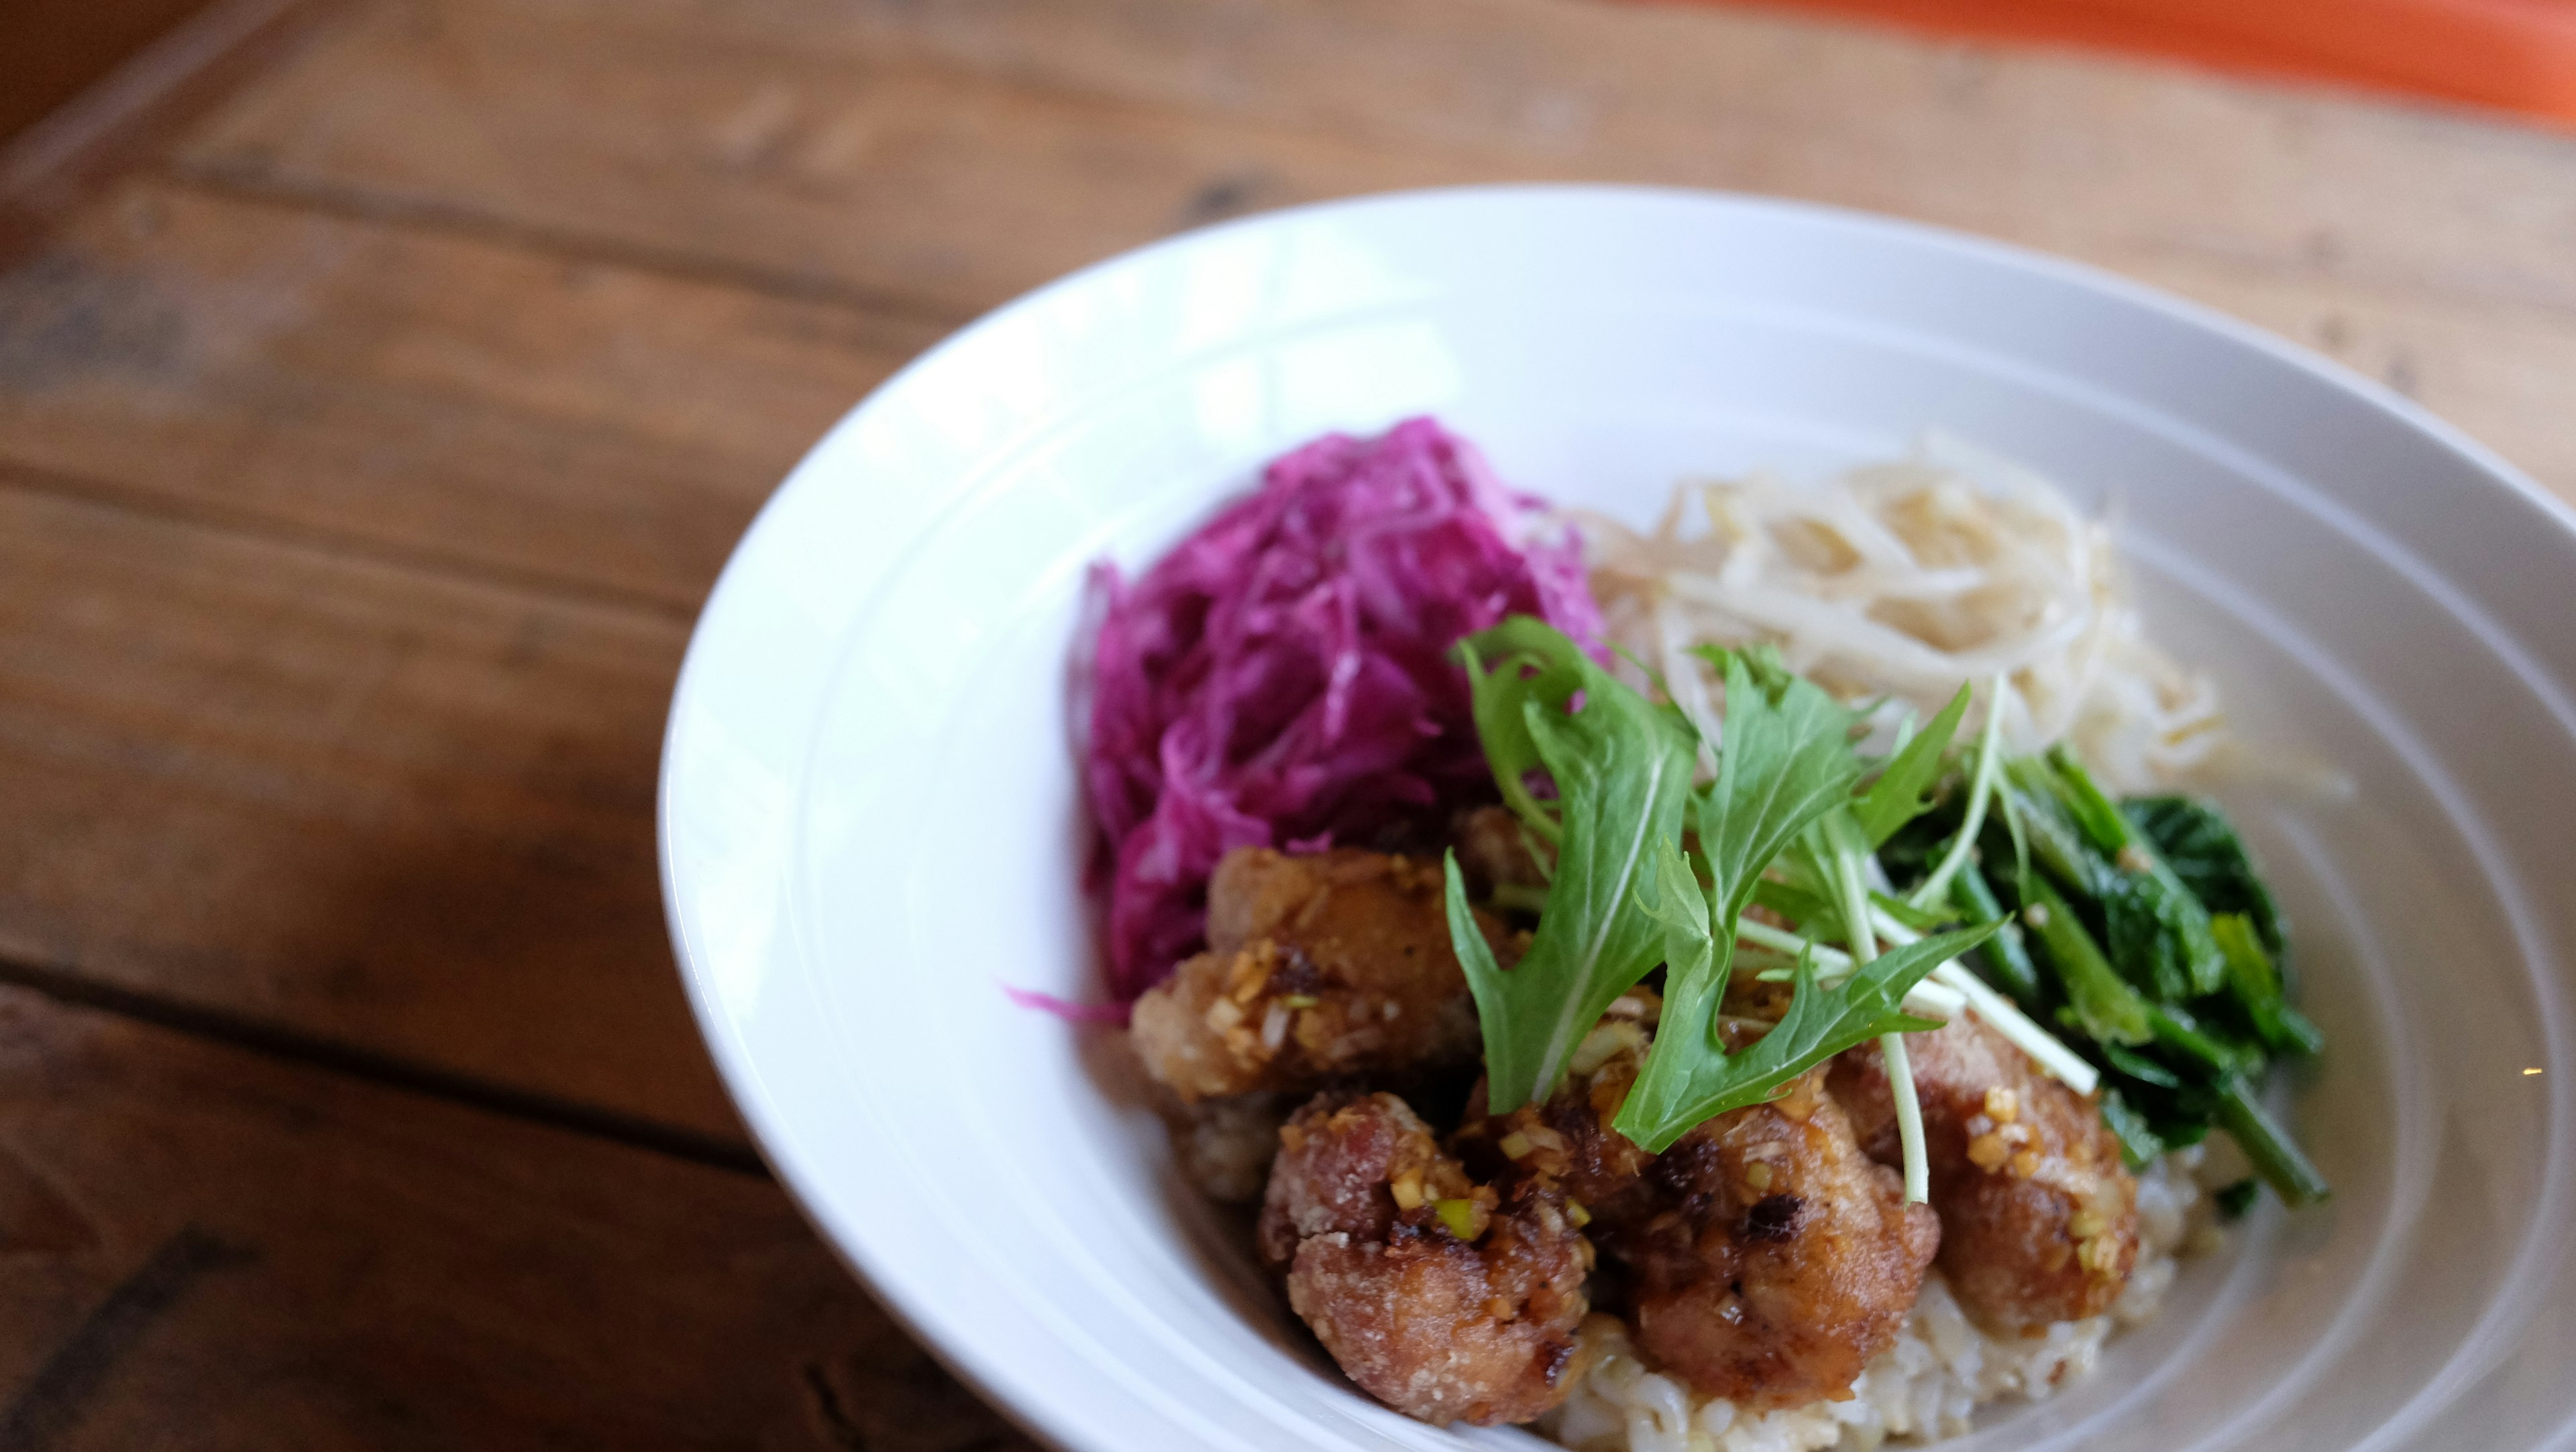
383,383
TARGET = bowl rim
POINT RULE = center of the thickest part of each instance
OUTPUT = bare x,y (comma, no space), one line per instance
995,1384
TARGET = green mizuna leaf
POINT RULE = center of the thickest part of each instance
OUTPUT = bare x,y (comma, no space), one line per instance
1813,914
1688,1078
1621,766
1786,761
1499,698
1681,909
1696,965
1898,796
1919,919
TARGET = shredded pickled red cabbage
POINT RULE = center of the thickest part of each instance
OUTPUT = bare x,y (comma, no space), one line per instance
1282,678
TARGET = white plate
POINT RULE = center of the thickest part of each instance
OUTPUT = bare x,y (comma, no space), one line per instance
870,821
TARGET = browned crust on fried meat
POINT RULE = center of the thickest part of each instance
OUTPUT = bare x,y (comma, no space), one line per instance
1763,1258
1495,850
1441,1326
1318,967
2039,1219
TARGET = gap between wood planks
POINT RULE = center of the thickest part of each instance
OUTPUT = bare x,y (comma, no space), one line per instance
317,1052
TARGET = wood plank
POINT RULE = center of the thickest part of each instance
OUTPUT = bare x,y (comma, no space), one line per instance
947,156
444,398
2087,154
594,114
377,807
808,168
204,1248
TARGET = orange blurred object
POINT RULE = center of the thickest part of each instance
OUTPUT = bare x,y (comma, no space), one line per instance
2515,54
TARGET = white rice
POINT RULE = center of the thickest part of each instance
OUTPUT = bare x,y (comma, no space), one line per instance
1925,1387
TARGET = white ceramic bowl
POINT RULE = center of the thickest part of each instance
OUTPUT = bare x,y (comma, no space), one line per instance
870,822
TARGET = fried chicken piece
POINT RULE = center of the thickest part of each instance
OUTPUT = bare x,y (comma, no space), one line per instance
1788,1260
1224,1145
1495,850
2039,1219
1763,1258
1440,1297
1317,967
1567,1141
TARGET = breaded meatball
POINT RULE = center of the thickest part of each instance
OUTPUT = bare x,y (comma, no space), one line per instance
1567,1140
1763,1258
1225,1145
1496,851
1788,1258
1438,1296
1317,967
2039,1219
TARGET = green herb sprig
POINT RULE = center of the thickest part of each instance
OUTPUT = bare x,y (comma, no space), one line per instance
1626,895
2140,928
1621,770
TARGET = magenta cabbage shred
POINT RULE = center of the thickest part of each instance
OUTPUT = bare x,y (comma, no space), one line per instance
1283,679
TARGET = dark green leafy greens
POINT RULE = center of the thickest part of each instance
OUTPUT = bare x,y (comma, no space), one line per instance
2197,842
2005,958
2234,1200
2156,944
2256,985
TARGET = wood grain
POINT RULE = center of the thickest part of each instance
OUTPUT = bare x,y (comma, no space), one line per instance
374,805
810,169
945,157
448,400
471,104
203,1248
62,45
2098,157
129,114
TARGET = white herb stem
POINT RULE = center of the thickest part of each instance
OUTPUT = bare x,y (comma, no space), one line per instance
1980,791
1832,963
2052,1055
1859,917
1909,1117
